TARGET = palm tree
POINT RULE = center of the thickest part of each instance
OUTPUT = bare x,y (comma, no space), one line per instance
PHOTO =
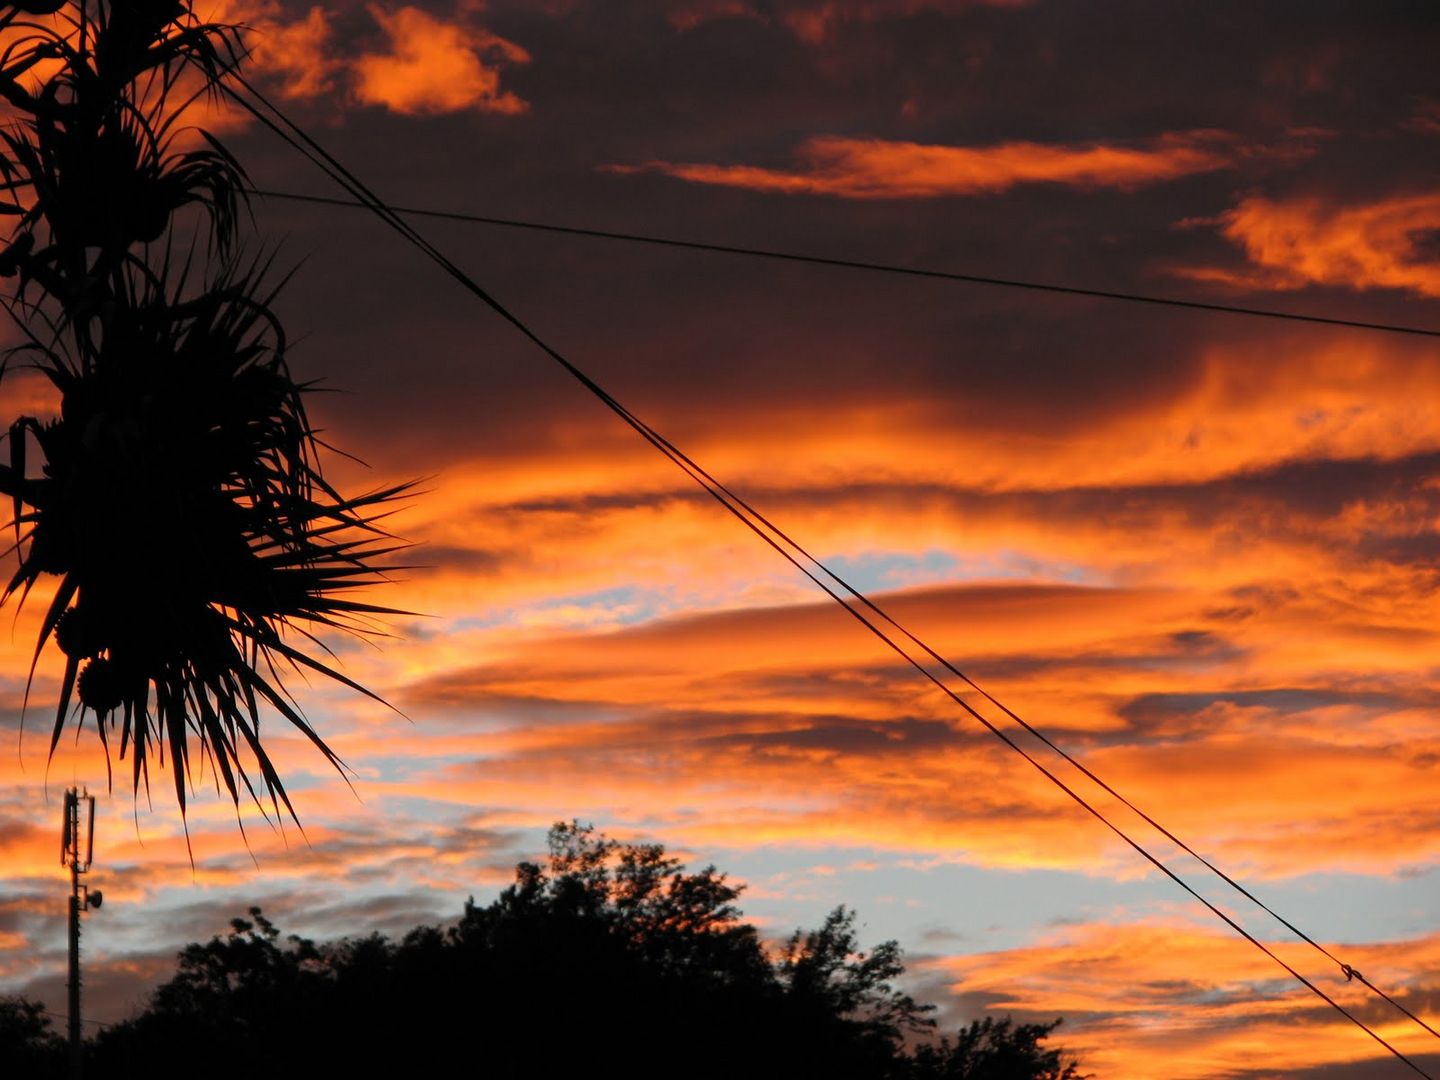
181,503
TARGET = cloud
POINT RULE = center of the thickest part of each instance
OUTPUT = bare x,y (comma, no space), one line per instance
1390,243
297,53
429,66
730,715
816,22
1202,552
1187,1002
433,66
688,14
1425,120
870,168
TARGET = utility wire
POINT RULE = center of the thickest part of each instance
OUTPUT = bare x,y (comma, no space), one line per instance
860,264
84,1019
724,495
307,146
728,249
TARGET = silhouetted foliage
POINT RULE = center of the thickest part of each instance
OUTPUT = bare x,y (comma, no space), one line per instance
180,500
991,1049
610,954
28,1048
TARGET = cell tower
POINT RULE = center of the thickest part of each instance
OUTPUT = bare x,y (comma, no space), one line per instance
76,852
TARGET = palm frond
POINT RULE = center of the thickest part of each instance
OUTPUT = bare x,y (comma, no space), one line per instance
184,510
180,499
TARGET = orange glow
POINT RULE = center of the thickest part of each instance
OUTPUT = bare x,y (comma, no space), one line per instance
1299,242
1188,1003
1200,552
759,666
436,67
880,169
295,52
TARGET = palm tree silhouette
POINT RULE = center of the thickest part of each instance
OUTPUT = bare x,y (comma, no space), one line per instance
180,502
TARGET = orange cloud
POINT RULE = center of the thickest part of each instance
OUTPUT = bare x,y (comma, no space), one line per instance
1300,242
881,169
1221,594
1178,1001
432,65
1271,461
1227,554
295,53
735,711
436,67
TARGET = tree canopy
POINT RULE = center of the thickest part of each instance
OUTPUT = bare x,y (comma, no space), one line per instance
608,955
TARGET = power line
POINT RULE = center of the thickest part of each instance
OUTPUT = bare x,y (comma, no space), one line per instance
84,1019
302,142
742,511
860,264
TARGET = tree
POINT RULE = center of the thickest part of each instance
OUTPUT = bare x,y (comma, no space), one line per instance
180,503
631,896
27,1045
609,953
827,967
991,1049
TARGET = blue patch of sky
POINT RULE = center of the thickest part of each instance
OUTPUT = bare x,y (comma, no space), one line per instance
956,908
871,571
876,571
1358,907
976,909
620,606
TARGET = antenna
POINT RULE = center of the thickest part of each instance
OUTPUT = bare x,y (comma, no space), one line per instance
90,833
81,899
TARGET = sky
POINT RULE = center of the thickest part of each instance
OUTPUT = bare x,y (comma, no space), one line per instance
1199,551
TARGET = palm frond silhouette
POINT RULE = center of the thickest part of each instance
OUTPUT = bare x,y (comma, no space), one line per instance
181,503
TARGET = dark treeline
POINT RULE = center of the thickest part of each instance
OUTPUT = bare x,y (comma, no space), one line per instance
610,957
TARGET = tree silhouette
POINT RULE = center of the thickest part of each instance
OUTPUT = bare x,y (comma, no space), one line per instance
992,1049
610,955
28,1047
180,503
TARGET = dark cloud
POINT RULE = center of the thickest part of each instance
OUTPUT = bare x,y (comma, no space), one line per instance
1358,1070
1153,711
841,735
431,557
682,336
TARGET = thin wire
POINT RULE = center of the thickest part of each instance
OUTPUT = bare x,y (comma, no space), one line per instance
860,264
1345,969
320,157
83,1019
341,175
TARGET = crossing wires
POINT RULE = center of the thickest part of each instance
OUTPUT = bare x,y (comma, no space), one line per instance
892,634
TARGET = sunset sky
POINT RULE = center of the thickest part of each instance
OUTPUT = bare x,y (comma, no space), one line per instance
1199,551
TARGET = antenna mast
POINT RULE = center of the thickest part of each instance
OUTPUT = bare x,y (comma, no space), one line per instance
77,849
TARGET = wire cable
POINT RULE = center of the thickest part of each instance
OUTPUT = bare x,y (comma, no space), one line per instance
84,1019
860,264
1348,971
320,157
296,137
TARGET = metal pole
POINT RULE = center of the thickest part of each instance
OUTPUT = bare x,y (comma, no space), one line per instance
76,1047
80,899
